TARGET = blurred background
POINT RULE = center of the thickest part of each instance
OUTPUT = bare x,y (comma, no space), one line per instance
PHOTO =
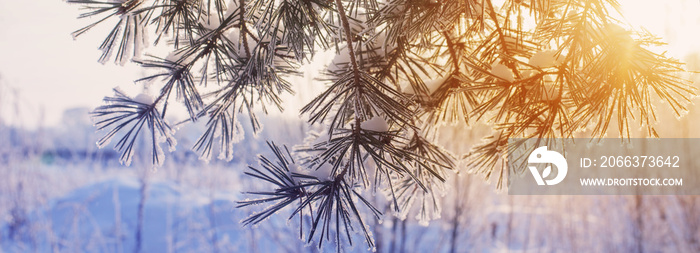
60,193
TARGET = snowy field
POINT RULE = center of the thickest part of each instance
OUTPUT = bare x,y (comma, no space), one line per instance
59,193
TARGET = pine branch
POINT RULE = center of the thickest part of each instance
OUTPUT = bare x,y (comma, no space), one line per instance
402,70
129,30
355,69
122,113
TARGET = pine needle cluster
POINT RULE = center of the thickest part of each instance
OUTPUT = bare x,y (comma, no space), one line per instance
531,69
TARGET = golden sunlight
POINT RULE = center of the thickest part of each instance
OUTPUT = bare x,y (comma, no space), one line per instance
676,21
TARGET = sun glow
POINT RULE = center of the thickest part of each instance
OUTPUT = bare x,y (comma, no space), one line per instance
676,21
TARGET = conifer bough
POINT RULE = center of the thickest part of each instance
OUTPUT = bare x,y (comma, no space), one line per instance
530,69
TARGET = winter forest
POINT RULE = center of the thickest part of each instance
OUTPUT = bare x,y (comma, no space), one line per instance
333,126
